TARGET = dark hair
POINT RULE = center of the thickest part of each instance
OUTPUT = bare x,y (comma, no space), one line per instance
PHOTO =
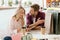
35,7
7,38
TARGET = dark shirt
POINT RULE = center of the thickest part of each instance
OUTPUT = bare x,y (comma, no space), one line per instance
29,18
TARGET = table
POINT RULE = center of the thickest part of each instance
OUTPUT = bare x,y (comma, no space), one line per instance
37,34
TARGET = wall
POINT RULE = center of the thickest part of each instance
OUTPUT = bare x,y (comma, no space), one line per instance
40,2
5,16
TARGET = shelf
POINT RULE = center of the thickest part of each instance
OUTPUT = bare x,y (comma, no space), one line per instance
6,7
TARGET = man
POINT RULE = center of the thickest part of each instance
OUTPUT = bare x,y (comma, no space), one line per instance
35,19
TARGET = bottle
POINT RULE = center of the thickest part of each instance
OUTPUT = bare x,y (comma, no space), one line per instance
16,2
2,2
10,2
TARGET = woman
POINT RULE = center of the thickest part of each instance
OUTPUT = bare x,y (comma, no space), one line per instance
17,21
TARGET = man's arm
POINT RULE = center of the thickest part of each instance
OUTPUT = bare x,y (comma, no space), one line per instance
37,23
42,20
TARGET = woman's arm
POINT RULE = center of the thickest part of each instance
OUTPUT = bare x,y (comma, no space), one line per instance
11,26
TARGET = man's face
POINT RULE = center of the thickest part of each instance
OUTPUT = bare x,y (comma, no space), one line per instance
32,11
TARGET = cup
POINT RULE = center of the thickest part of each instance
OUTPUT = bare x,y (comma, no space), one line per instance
29,36
24,38
43,30
24,30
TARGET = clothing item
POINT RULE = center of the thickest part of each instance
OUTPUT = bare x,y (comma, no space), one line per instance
40,16
14,24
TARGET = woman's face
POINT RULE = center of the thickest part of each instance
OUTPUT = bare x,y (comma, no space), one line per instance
21,13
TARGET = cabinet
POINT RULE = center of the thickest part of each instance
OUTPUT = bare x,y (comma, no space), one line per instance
56,23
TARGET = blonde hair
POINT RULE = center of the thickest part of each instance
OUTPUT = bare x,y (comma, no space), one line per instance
18,12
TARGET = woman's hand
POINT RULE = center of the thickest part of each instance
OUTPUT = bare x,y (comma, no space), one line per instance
18,29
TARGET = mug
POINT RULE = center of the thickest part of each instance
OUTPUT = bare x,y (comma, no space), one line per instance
29,36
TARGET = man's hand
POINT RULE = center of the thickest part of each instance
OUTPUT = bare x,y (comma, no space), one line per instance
35,24
35,27
28,29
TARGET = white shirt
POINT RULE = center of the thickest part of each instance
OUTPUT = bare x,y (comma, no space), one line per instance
34,19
